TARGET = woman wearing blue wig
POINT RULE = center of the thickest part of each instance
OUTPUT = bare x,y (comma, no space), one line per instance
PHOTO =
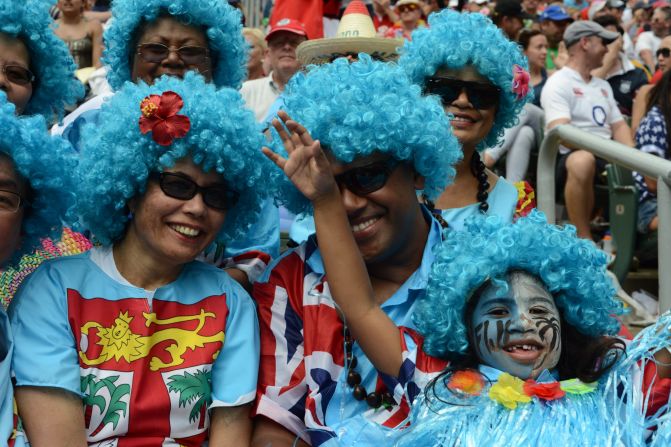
34,195
155,347
152,38
482,80
520,314
37,71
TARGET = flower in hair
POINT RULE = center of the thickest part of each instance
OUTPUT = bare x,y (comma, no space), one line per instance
520,81
159,116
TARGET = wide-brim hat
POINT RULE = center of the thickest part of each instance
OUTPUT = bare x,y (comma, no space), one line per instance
355,34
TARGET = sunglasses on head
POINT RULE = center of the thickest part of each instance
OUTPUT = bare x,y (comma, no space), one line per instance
156,53
369,178
480,94
408,7
666,52
17,74
181,187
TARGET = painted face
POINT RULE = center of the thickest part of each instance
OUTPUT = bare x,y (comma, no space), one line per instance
384,222
519,331
174,35
171,229
13,53
470,124
11,185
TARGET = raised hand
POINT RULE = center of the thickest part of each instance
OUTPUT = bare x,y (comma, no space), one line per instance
307,166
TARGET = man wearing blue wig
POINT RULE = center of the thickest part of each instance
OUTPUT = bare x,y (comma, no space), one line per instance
384,142
152,38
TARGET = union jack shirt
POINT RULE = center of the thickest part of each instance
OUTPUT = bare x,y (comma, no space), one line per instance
302,378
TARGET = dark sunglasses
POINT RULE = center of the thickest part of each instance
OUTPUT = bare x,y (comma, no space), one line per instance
367,179
17,74
481,95
666,52
157,52
180,187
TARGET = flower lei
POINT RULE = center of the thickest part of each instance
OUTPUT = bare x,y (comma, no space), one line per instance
159,116
511,391
521,80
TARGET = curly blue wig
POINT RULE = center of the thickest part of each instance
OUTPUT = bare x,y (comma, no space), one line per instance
572,269
454,40
221,23
117,158
46,163
356,109
55,84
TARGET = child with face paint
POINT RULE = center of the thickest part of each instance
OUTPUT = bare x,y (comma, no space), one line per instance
521,315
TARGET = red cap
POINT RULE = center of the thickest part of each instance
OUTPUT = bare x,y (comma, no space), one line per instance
290,25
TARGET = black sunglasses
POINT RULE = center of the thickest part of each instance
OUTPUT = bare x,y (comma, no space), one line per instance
666,52
367,179
480,94
157,52
17,74
181,187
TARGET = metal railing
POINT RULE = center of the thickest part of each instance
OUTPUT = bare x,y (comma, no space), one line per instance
618,154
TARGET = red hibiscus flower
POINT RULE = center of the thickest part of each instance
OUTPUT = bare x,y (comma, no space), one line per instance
545,391
159,116
520,81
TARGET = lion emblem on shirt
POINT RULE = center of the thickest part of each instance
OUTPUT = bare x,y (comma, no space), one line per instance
119,342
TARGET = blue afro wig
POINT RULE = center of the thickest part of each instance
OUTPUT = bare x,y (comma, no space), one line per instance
572,269
454,40
55,84
117,158
220,21
356,109
47,164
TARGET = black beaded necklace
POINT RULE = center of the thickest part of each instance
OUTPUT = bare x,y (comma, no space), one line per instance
374,399
478,170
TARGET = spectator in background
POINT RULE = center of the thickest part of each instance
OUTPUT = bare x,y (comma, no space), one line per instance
257,52
384,15
573,96
410,15
613,8
652,137
508,15
83,37
553,21
648,42
530,8
640,106
624,75
520,140
37,70
640,21
283,38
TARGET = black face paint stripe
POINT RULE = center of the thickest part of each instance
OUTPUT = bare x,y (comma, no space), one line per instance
477,336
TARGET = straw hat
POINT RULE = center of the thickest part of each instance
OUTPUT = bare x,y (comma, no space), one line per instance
356,34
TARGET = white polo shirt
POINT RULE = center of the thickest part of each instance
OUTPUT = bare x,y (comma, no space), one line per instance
589,106
259,95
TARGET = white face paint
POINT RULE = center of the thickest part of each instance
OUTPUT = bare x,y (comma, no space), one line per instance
518,331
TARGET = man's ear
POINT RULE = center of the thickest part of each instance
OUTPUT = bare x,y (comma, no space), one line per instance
419,181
